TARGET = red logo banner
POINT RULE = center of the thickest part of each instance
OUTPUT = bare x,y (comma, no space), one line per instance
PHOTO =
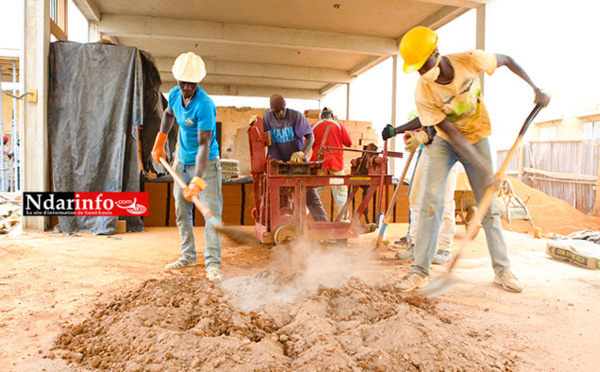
111,204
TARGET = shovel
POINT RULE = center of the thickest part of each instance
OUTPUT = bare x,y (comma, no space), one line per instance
238,236
386,218
445,282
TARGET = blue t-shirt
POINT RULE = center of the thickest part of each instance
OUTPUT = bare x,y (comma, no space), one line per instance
199,114
287,134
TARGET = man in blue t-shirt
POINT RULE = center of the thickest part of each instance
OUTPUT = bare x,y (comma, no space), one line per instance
291,139
197,161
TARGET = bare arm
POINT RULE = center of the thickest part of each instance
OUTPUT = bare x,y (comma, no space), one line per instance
411,125
166,123
540,97
389,131
466,150
204,137
309,140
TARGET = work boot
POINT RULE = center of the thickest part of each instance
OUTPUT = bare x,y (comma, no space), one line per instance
411,281
402,243
180,264
213,274
441,257
408,254
508,281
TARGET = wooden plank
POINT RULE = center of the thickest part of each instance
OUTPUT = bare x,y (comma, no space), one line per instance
563,176
598,184
573,182
57,31
520,163
156,211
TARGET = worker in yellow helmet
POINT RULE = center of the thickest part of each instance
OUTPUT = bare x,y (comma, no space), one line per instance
448,96
197,161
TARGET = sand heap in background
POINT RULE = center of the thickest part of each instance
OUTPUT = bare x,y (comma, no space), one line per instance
550,214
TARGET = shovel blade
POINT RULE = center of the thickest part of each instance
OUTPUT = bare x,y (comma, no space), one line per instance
437,286
238,236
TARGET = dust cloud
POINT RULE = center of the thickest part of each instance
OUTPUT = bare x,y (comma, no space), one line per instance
296,272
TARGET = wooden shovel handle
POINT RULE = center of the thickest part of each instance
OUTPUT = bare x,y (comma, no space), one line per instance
201,207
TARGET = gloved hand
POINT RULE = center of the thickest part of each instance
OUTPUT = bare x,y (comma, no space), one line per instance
388,132
541,98
297,157
412,140
193,189
158,151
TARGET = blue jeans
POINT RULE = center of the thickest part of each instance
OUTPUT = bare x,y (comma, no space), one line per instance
212,197
441,159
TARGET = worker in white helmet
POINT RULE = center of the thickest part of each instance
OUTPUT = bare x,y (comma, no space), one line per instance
448,95
197,161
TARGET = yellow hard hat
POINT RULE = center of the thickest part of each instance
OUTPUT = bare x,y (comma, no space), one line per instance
189,67
416,46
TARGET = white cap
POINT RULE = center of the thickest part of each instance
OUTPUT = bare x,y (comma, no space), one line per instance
189,67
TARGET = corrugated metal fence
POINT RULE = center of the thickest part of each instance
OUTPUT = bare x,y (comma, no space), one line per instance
567,170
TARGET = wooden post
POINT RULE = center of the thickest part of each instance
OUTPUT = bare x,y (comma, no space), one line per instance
520,164
392,165
598,184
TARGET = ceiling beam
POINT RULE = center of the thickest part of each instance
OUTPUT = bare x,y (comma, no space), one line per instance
330,88
89,9
236,80
251,91
367,64
442,17
261,70
456,3
439,18
243,34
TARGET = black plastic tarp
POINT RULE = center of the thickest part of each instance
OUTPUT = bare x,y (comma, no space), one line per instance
96,103
154,106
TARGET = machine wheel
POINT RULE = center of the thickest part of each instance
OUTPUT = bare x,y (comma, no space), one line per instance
471,212
286,234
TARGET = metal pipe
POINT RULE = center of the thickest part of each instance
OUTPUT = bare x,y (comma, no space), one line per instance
3,174
13,132
391,154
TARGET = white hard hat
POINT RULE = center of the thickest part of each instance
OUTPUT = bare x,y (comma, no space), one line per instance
189,67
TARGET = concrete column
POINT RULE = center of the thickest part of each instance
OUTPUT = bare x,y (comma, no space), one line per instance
480,37
347,101
34,119
93,32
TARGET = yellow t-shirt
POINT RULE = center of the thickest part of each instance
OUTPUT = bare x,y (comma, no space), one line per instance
461,100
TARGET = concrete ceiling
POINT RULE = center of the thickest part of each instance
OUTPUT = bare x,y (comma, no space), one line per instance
300,48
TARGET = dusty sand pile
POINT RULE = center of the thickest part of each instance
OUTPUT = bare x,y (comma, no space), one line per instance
278,321
550,214
187,323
